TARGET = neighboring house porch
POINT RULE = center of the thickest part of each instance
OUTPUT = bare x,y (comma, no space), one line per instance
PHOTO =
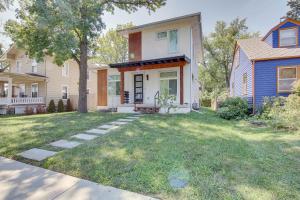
18,90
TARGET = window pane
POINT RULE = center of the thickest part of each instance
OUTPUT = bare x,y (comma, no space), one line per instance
286,85
168,74
114,78
161,35
288,37
164,87
287,73
173,87
173,40
118,88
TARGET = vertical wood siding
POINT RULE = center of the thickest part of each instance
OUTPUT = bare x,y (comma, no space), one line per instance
135,46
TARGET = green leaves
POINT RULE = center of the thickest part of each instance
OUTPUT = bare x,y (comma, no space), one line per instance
294,13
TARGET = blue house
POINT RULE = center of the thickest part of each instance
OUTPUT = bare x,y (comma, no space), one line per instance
267,66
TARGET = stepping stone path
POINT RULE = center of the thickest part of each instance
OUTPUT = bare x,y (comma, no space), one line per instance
66,144
40,154
37,154
83,136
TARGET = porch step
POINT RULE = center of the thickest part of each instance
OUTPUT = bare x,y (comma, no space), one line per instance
147,109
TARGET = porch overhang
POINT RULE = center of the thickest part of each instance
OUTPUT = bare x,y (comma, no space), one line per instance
175,61
18,77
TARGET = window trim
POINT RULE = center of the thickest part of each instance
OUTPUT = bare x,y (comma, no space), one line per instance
37,95
297,37
278,77
245,92
67,92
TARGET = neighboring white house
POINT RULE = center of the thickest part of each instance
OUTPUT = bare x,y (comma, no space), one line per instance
163,56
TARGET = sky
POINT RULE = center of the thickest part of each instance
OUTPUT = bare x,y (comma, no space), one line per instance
261,15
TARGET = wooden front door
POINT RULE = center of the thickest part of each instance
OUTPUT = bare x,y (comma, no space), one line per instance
138,88
102,87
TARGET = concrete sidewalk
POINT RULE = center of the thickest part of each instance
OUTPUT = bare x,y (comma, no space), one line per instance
22,181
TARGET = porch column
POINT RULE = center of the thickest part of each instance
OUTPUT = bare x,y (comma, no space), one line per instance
122,87
9,92
181,85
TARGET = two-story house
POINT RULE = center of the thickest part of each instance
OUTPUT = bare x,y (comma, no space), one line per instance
268,66
29,83
163,58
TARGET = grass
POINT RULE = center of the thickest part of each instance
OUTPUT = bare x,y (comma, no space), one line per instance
220,159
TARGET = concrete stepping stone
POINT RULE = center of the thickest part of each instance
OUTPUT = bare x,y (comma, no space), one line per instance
132,117
119,123
126,120
83,136
108,127
65,144
37,154
97,131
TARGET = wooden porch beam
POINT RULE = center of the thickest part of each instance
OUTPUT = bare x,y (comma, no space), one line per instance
122,87
152,66
181,85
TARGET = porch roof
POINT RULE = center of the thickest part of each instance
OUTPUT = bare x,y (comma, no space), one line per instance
159,63
18,77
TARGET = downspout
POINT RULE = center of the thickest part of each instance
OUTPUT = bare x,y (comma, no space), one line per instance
253,85
191,66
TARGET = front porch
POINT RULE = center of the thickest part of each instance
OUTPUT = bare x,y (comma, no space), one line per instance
20,90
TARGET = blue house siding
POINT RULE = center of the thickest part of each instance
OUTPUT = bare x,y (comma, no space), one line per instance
245,66
266,77
276,33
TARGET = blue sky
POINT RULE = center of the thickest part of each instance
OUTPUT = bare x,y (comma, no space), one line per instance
261,15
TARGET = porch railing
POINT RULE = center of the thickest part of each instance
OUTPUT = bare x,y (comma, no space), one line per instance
23,100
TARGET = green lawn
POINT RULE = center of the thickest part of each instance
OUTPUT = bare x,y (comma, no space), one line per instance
220,159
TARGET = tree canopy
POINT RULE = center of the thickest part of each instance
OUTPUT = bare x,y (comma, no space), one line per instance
294,11
112,47
66,29
218,55
4,4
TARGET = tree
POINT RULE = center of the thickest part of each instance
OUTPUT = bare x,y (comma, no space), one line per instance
4,4
218,54
112,47
66,29
294,13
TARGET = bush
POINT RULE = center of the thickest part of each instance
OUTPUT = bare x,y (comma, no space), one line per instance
69,107
206,102
60,106
51,107
40,110
29,110
167,102
233,108
287,115
268,104
296,88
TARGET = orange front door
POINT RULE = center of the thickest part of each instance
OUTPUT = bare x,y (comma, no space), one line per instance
102,87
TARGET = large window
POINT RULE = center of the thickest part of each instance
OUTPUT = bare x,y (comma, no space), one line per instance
162,35
34,90
287,76
245,84
168,83
288,37
34,67
65,69
114,85
22,90
173,41
18,66
64,92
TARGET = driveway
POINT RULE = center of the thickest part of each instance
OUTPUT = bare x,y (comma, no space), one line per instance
22,181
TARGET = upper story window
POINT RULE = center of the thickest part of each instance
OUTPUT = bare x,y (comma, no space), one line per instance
287,76
173,41
245,84
288,37
34,66
162,35
18,66
65,69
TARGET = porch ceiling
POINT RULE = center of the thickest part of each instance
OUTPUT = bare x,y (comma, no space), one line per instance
152,64
21,78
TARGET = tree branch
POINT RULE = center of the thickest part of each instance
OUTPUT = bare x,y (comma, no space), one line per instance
76,58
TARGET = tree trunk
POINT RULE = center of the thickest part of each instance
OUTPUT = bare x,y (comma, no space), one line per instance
82,100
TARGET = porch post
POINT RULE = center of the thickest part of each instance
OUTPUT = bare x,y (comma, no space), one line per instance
9,92
122,87
181,85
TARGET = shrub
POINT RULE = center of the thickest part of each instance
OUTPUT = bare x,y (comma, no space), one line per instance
287,115
206,102
268,104
60,106
167,102
233,108
29,110
40,110
51,107
296,88
69,107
